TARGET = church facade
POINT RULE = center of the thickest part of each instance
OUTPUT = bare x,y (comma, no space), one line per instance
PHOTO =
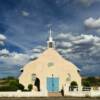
50,71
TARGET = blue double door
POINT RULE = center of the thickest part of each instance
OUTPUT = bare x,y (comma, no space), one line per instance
53,84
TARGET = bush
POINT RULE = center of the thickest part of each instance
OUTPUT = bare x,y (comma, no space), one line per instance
93,81
20,87
12,85
86,83
30,87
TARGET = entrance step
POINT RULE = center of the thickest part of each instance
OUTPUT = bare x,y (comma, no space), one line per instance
54,94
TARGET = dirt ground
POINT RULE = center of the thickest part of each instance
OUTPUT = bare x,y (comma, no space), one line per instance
50,98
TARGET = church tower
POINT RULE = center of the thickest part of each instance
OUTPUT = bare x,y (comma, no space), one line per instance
50,42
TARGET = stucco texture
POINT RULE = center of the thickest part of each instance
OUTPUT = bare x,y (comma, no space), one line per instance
50,63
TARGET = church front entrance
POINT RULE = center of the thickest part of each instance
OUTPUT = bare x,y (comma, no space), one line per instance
53,84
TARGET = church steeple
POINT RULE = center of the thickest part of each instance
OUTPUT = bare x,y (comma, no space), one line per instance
50,42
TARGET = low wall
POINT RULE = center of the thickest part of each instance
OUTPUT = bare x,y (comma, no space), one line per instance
80,93
91,93
22,94
77,93
83,93
95,93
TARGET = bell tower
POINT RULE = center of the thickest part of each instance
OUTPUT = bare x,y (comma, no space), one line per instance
50,42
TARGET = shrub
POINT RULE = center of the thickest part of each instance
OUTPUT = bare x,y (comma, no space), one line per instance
20,87
30,87
12,85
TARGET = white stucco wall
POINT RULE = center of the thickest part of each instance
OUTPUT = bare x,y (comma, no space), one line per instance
60,68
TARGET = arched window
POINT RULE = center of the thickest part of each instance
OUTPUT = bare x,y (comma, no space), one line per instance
73,86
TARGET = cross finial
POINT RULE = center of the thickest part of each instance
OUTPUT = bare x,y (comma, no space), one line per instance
50,33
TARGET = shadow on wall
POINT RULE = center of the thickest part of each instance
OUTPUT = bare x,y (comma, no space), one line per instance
37,83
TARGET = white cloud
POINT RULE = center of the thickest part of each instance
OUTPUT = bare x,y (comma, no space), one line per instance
86,39
25,13
67,39
65,44
38,49
64,35
2,39
92,23
4,52
79,47
13,58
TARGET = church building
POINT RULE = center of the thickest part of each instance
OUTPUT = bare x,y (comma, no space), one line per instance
50,72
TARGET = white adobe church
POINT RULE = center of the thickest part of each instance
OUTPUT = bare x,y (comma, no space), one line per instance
50,72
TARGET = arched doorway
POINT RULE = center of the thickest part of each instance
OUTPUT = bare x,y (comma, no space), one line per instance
73,86
37,83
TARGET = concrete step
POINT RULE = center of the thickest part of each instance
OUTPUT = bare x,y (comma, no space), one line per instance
54,94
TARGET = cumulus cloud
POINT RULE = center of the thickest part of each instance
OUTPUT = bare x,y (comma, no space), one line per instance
81,45
81,49
2,39
12,61
4,52
38,49
13,58
69,39
92,23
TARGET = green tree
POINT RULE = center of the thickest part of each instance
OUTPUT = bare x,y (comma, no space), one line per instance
86,83
13,85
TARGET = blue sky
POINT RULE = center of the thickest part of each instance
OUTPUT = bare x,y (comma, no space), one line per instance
24,26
